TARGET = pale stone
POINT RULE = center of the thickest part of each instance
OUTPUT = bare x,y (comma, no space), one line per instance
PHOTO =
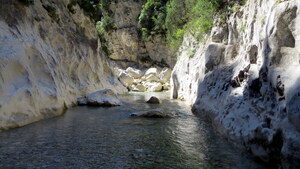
155,87
139,88
126,79
152,78
151,71
135,73
165,74
104,97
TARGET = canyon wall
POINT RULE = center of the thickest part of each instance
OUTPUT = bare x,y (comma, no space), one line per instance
49,56
125,42
245,78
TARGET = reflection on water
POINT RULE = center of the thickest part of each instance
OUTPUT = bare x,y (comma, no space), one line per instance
90,137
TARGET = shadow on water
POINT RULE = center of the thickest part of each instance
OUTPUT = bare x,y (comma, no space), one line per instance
90,137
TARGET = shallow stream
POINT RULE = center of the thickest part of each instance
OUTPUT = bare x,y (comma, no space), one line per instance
108,138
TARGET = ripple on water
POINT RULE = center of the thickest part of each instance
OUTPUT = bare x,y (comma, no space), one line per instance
89,137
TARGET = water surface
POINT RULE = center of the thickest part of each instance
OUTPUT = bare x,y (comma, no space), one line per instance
108,138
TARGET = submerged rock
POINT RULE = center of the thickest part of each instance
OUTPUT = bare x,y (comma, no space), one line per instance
104,97
154,100
155,113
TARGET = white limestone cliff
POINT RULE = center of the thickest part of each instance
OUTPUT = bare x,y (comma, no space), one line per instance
245,78
47,61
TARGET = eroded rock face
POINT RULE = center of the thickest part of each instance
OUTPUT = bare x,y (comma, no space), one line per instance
124,42
47,61
247,80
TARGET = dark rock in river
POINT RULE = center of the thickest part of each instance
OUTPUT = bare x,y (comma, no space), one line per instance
155,113
154,100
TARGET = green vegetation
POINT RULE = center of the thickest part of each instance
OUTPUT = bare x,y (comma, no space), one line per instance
174,18
98,10
152,18
190,16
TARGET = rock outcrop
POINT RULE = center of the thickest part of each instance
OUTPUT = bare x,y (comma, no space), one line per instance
245,77
49,56
125,42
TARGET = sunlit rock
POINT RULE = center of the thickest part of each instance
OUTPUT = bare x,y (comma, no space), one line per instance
135,73
126,79
104,97
154,87
139,88
151,71
165,74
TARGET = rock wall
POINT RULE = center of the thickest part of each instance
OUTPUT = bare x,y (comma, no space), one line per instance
125,42
48,57
245,77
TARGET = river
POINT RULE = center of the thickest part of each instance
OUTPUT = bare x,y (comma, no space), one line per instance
108,138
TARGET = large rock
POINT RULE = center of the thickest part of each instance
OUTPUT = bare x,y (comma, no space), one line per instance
166,86
104,97
154,100
165,74
152,78
154,87
155,113
139,88
126,79
134,72
151,71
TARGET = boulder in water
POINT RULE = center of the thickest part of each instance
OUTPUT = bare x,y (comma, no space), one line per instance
154,100
155,113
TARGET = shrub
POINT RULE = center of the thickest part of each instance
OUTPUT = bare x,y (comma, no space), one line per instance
152,18
193,16
105,24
